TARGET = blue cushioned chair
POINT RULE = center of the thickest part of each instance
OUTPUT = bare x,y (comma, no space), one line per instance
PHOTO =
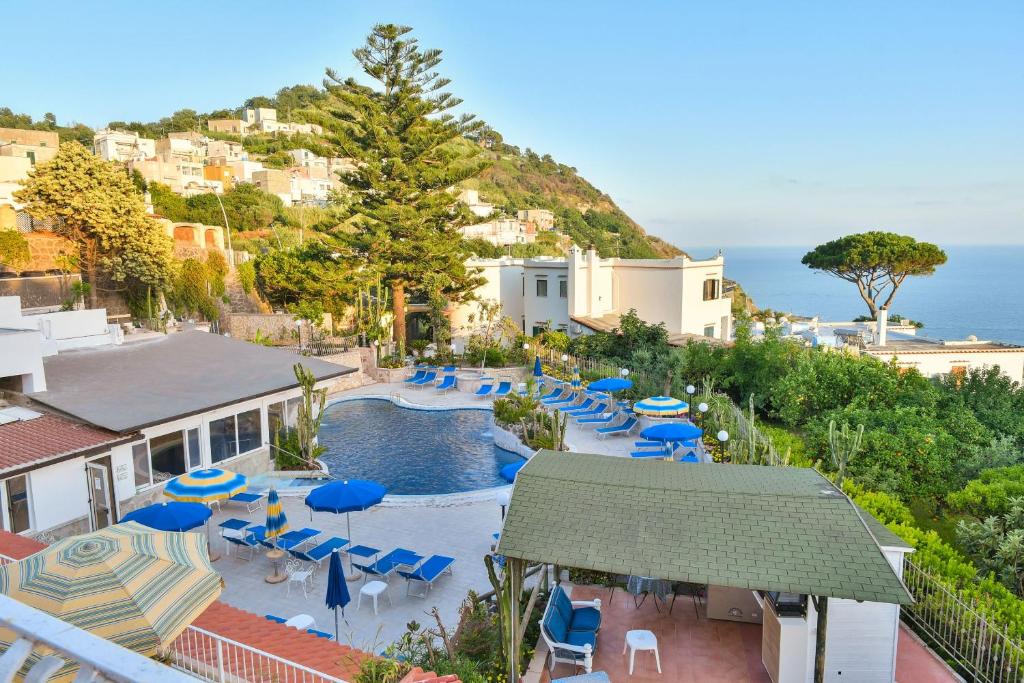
569,627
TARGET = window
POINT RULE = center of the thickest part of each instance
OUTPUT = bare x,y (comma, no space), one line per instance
167,455
539,330
140,456
542,286
563,288
710,289
235,434
195,458
291,412
223,440
275,419
18,518
709,330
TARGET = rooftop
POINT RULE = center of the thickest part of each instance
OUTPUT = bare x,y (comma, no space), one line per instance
763,528
126,388
48,438
609,322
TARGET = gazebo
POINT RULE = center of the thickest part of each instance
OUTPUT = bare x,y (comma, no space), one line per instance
768,530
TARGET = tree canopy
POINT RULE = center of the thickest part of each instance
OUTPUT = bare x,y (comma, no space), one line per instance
403,136
100,210
877,262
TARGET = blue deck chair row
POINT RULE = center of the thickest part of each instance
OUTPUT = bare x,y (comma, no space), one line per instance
426,379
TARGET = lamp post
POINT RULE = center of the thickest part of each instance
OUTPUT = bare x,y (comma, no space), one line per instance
298,328
723,437
453,347
691,390
227,228
701,409
565,364
502,498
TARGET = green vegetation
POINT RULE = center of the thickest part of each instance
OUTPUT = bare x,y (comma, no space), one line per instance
76,131
14,249
102,212
877,262
197,285
305,280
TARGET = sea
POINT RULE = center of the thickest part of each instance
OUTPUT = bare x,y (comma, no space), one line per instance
979,291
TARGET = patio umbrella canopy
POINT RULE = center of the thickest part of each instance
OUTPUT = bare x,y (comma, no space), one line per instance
349,495
508,472
127,583
672,431
205,486
611,384
661,406
173,516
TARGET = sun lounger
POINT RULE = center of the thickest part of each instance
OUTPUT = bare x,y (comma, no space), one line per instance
291,539
568,400
417,377
275,618
250,540
317,554
503,389
428,378
555,392
485,388
624,428
598,420
388,564
251,501
597,409
581,408
649,454
447,384
449,369
432,568
320,634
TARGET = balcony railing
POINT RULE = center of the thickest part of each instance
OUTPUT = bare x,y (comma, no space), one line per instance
98,659
210,657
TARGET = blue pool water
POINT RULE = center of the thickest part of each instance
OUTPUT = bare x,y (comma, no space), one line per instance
412,452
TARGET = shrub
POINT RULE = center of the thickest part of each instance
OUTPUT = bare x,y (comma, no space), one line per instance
392,362
247,276
990,493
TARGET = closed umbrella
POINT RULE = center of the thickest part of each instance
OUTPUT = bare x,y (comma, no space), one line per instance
538,371
576,382
337,590
127,583
173,516
344,497
277,524
661,406
206,486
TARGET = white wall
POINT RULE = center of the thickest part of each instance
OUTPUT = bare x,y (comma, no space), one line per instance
58,494
942,362
21,355
538,311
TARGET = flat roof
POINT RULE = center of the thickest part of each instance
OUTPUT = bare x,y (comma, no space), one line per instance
130,387
782,529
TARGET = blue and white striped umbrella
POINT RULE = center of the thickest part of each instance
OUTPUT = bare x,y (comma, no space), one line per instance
277,523
576,383
205,486
661,406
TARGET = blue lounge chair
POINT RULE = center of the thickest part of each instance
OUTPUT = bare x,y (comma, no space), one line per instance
581,408
251,501
428,378
649,454
555,392
320,634
624,428
606,420
485,388
274,618
447,384
317,554
432,568
449,369
388,564
252,538
598,409
417,377
503,389
568,400
649,444
291,539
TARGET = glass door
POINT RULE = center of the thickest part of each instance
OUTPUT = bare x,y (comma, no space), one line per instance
97,476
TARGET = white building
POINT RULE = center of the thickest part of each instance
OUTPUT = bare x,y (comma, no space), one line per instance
471,198
121,145
307,159
264,120
501,232
585,293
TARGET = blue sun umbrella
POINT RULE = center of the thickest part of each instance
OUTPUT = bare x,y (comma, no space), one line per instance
611,384
672,431
337,590
205,486
172,516
345,496
509,472
538,371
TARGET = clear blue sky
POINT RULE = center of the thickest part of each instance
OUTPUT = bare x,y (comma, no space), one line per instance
711,124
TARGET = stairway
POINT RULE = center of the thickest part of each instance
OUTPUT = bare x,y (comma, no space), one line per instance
240,301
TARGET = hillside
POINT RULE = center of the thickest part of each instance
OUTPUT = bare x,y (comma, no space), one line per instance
516,180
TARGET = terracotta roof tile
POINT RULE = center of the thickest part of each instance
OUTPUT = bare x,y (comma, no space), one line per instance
418,675
319,654
27,442
18,547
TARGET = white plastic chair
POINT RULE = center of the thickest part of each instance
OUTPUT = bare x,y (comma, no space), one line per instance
298,573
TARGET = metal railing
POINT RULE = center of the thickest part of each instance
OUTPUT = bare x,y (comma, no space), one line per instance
211,657
963,636
95,658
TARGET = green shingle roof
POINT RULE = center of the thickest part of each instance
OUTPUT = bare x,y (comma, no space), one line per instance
763,528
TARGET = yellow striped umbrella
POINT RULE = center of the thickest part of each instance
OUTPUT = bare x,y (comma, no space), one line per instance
277,523
661,406
130,584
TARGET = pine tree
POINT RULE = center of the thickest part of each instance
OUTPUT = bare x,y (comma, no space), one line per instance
99,209
411,153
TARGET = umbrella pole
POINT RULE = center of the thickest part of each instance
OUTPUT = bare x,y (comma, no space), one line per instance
352,573
209,544
336,630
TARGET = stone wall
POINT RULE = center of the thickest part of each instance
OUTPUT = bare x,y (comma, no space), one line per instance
360,358
279,327
42,291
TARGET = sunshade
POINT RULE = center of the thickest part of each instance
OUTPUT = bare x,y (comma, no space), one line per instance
337,590
345,496
205,486
576,383
173,516
611,384
672,431
661,406
508,472
537,370
277,523
127,583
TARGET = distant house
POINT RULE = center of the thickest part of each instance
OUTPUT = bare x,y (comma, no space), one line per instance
122,145
274,181
232,126
20,151
471,198
119,420
501,232
541,219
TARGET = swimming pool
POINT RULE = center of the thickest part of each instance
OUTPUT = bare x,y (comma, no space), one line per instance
412,452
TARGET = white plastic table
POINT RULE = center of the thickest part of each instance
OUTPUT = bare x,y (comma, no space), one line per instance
641,640
372,589
301,622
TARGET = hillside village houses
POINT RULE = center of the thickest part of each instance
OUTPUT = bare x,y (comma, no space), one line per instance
584,293
84,438
261,120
